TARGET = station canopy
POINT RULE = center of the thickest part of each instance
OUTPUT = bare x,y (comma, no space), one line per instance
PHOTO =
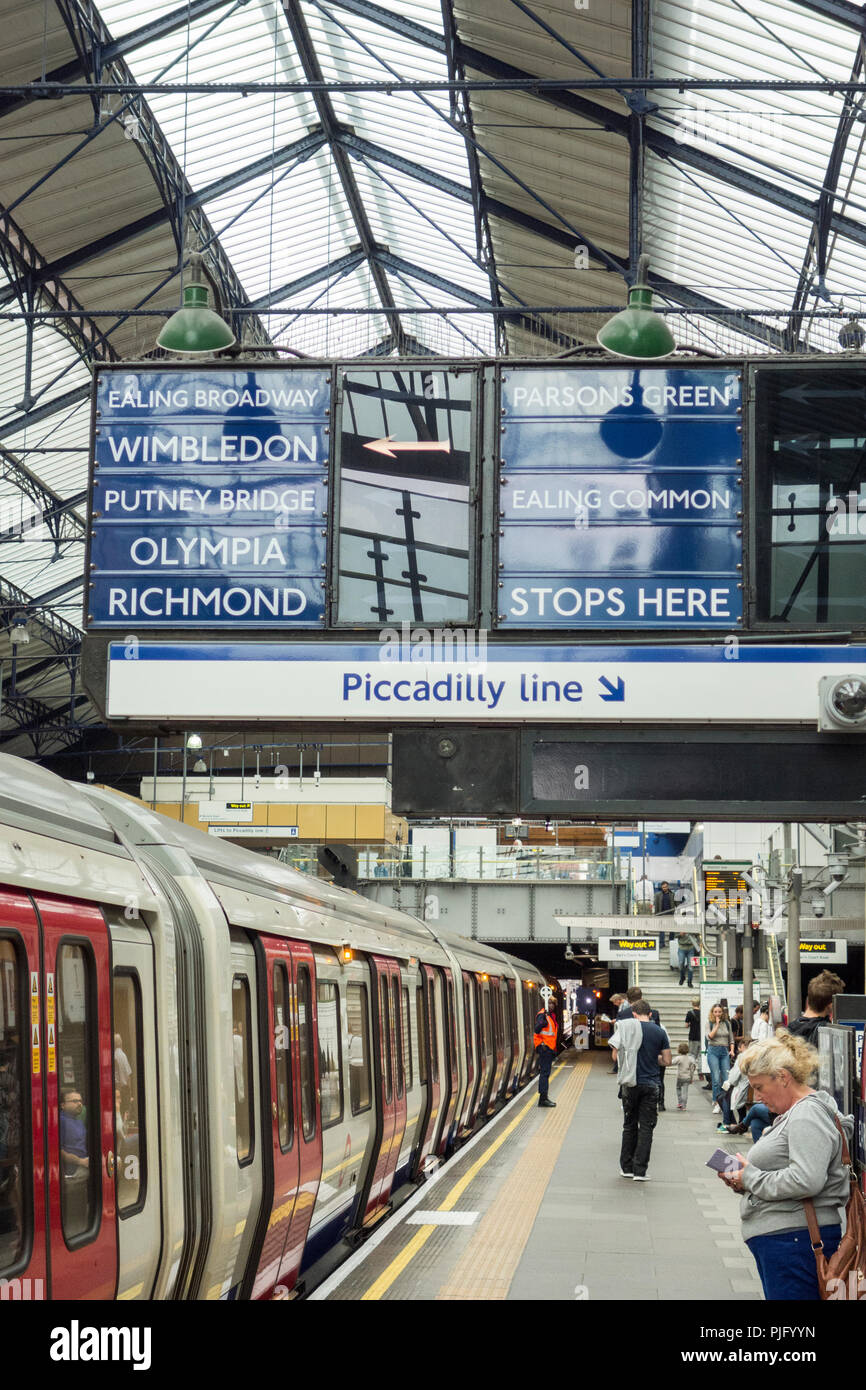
413,178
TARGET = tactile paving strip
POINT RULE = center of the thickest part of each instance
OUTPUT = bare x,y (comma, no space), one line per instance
487,1266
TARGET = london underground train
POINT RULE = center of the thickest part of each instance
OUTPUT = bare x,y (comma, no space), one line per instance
217,1073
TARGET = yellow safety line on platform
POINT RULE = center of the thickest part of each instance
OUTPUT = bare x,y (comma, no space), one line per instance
397,1265
488,1264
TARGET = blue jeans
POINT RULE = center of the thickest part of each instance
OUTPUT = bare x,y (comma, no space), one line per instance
719,1061
685,960
786,1263
757,1117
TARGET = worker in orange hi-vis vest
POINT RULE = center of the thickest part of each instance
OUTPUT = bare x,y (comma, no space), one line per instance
544,1038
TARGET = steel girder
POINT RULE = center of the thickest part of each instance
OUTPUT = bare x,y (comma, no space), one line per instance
818,241
462,110
39,721
300,150
331,127
54,511
665,146
54,631
83,16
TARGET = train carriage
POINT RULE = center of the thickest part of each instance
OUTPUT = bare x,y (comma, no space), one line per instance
217,1073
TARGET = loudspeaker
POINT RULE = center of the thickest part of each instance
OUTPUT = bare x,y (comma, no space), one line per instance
455,772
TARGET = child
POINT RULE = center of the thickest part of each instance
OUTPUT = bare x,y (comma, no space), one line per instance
687,1072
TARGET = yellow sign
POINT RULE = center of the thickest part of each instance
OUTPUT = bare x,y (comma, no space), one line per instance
52,1054
34,1044
49,1002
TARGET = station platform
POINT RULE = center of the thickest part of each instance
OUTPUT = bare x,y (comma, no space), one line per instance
535,1208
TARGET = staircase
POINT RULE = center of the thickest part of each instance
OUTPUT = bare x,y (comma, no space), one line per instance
673,1001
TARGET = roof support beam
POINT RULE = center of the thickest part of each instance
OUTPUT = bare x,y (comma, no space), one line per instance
617,122
43,412
340,267
331,127
299,150
52,510
100,55
842,11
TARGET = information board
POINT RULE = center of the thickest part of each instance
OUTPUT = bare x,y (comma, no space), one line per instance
209,498
621,498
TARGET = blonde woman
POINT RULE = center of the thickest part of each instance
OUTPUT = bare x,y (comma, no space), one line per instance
799,1156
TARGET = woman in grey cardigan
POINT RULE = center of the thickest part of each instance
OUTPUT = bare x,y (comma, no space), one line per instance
799,1156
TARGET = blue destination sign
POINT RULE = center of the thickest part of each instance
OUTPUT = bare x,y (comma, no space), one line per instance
621,498
209,498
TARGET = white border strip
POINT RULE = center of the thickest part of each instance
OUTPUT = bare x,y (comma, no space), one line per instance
391,1223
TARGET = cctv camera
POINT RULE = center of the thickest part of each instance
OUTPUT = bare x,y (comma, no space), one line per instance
569,954
842,702
818,906
838,869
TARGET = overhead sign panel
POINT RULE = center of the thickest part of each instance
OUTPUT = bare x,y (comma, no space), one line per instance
628,948
621,498
209,498
508,684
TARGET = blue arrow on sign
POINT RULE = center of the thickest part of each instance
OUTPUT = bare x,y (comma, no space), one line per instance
615,692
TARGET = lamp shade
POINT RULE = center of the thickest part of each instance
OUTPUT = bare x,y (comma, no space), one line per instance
195,330
637,331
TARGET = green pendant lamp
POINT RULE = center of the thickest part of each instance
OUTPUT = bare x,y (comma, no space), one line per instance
195,330
637,331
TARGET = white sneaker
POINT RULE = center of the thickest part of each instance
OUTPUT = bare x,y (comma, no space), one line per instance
641,1177
716,1110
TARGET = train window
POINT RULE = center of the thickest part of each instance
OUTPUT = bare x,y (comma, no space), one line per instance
407,1040
486,1034
357,1014
330,1053
77,1063
384,1007
423,1034
467,1019
398,1037
243,1068
434,1032
129,1127
282,1058
14,1199
305,1052
512,1019
452,1020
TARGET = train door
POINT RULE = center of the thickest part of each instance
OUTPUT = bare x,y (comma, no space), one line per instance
469,1045
391,1088
513,1034
73,1050
428,1062
450,1070
488,1064
509,1032
293,1137
136,1128
23,1260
